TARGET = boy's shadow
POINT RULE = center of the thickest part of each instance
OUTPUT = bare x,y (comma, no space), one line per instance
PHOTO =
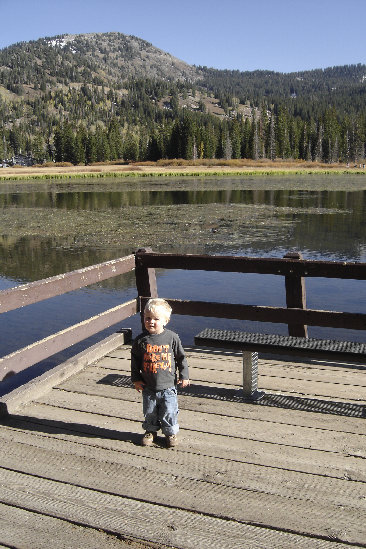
53,427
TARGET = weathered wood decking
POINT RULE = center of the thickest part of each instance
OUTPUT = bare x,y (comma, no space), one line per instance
287,472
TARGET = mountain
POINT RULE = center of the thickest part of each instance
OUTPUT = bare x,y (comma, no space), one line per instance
109,59
89,83
101,59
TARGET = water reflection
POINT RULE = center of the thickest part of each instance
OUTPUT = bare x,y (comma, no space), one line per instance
31,258
323,224
94,200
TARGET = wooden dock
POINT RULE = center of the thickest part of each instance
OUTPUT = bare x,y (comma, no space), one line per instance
288,472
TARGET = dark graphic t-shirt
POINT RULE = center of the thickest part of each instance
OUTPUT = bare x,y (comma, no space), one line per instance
156,358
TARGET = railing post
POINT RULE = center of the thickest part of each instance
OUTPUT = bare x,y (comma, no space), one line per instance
296,297
145,280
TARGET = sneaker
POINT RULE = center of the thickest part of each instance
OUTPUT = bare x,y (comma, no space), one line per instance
148,438
171,441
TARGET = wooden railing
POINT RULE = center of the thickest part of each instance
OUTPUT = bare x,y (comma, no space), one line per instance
292,267
40,290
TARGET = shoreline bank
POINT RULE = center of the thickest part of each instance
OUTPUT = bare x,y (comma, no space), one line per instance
135,170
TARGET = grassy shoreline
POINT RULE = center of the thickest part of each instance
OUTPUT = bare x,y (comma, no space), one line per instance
142,170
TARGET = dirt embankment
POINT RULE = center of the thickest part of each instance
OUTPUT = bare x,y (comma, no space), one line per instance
176,167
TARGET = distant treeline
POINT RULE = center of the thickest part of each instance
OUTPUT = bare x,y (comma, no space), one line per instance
56,104
189,135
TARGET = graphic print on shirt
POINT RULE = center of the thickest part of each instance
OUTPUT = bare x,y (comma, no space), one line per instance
157,357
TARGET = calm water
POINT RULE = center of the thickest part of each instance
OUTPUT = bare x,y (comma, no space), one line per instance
322,224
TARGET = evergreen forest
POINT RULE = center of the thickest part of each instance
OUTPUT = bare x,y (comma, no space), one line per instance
108,97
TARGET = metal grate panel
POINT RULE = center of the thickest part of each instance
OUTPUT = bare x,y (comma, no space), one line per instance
280,343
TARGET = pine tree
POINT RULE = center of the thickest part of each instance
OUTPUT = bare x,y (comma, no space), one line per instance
331,136
246,139
272,138
255,139
187,137
173,147
115,140
58,144
91,149
318,154
79,148
235,139
16,141
3,153
210,141
283,138
356,142
227,148
101,145
68,144
153,149
38,149
131,147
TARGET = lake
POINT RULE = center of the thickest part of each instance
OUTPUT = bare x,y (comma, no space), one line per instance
47,229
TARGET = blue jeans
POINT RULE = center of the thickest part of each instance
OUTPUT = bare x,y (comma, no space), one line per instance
160,409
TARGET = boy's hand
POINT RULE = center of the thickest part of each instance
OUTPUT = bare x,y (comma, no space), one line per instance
184,383
139,385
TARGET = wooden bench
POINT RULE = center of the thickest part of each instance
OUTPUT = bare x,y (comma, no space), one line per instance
252,343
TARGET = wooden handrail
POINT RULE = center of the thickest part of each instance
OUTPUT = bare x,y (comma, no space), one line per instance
26,294
40,290
283,315
292,267
237,264
23,358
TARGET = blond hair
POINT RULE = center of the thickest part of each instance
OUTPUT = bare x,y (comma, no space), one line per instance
155,304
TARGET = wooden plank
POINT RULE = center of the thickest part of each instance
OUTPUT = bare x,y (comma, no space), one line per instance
229,377
342,392
226,360
92,470
292,472
240,264
24,530
94,381
233,374
314,365
304,416
139,519
297,458
346,386
56,285
220,358
10,402
23,358
309,495
200,450
199,453
343,388
110,411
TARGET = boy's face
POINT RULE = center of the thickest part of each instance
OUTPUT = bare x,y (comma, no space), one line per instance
155,321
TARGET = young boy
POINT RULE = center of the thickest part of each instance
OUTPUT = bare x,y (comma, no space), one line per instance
156,356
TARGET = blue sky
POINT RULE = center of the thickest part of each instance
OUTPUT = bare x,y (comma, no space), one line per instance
282,35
